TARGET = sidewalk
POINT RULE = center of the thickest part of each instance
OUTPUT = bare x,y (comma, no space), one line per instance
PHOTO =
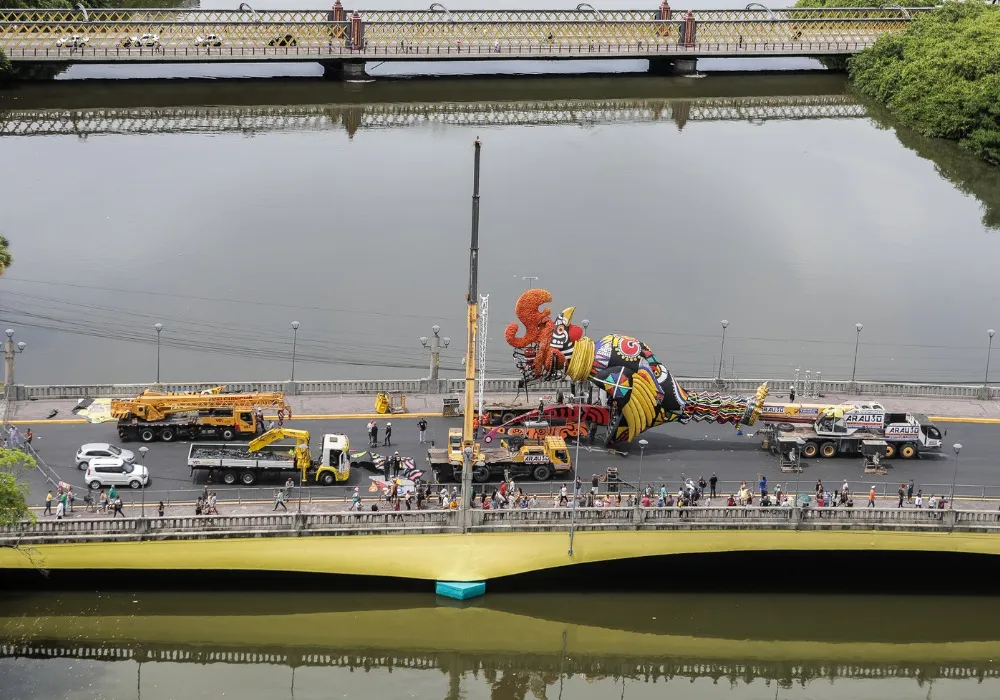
429,405
339,506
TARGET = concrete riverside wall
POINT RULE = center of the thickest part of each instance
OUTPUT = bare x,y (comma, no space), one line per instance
501,521
506,386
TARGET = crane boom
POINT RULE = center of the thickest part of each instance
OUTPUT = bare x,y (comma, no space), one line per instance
152,407
303,457
472,303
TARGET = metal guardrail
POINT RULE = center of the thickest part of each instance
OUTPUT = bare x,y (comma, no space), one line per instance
503,385
542,519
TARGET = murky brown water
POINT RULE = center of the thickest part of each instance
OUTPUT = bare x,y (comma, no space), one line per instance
504,647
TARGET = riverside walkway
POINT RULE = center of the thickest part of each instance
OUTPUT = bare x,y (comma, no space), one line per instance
343,40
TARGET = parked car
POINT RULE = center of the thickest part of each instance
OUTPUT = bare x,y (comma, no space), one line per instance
74,41
287,40
101,449
137,42
210,40
114,471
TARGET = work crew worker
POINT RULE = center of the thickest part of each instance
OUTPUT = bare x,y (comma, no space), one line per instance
388,434
422,427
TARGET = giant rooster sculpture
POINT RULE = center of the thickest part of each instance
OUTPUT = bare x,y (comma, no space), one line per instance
641,391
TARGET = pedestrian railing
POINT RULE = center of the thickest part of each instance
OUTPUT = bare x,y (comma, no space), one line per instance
504,520
508,385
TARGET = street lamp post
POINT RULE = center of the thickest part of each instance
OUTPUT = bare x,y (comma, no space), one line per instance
642,452
295,339
857,340
989,351
954,477
722,349
142,456
435,348
158,327
530,280
576,470
9,351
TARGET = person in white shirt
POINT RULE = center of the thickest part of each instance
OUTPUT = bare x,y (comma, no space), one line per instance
919,501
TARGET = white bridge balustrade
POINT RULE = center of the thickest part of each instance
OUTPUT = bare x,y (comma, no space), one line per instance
348,387
529,520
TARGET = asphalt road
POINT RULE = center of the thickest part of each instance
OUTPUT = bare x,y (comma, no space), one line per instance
673,451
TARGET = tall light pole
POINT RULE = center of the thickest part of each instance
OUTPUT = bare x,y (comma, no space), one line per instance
857,340
9,351
989,351
158,327
722,349
530,280
142,456
576,470
954,477
642,452
295,339
435,348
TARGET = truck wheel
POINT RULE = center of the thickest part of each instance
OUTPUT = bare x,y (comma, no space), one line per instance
810,450
167,435
507,417
227,434
785,427
828,449
326,478
248,478
542,472
890,451
147,435
229,478
907,451
481,475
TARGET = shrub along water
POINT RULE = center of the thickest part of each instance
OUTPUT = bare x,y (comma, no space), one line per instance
941,76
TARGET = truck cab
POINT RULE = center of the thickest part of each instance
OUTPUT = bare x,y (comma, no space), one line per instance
335,459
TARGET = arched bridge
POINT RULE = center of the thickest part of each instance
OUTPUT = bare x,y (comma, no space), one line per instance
345,39
266,118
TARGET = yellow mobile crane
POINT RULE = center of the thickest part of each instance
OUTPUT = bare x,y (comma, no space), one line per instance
167,417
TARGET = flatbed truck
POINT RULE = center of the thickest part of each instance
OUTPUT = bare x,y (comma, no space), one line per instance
540,460
246,463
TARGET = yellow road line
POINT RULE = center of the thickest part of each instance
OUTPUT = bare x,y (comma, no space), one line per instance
308,416
954,419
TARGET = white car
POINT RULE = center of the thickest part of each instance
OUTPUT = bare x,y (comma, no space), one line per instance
152,40
114,471
74,41
210,40
101,449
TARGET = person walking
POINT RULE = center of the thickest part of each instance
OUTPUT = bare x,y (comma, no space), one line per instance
388,435
118,509
48,504
712,483
871,497
60,509
791,393
279,500
29,436
919,500
374,433
355,500
396,465
289,484
909,492
159,509
422,429
902,494
763,485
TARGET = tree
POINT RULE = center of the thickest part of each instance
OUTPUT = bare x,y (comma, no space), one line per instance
13,491
5,257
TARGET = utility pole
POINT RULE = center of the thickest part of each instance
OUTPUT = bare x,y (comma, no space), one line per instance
435,348
472,304
158,327
9,350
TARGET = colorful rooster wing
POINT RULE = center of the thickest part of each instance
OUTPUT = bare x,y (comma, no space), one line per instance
640,389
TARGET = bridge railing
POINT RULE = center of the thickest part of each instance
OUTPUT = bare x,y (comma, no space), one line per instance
503,385
549,519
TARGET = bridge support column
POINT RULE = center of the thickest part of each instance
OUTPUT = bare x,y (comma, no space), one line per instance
460,590
345,70
673,66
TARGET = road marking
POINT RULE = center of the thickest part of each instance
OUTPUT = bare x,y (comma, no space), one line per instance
311,416
953,419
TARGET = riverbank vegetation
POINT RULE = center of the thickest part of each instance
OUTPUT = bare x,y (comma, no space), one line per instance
13,491
941,76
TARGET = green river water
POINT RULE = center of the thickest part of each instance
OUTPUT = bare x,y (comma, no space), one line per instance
378,644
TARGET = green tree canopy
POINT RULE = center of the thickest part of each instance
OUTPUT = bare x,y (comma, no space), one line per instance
13,490
941,77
